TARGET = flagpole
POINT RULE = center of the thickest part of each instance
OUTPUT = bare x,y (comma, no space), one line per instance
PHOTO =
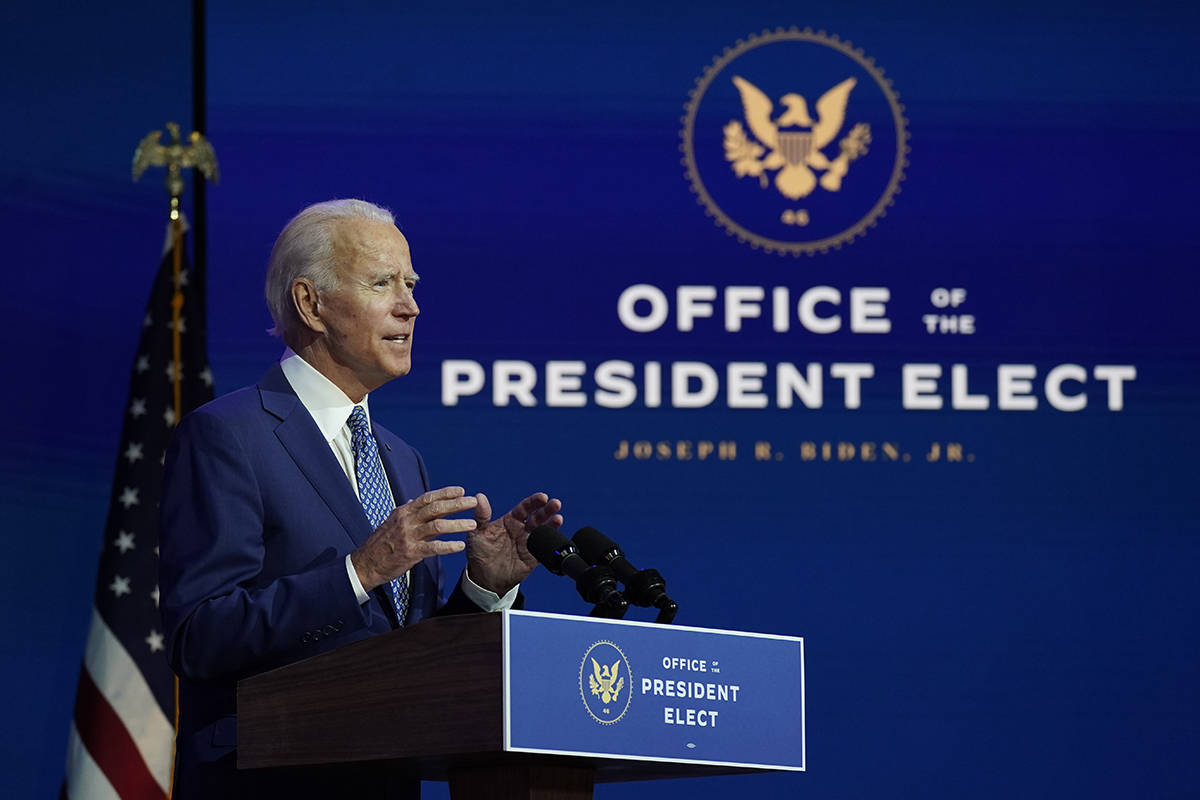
199,124
176,156
122,735
177,307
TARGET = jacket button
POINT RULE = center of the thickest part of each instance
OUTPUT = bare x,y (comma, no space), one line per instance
307,637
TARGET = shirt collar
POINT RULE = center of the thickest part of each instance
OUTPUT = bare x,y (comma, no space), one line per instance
328,405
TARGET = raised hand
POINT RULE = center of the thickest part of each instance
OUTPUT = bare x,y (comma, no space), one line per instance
497,558
410,534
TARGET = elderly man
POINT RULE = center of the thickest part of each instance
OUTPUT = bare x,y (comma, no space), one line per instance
292,524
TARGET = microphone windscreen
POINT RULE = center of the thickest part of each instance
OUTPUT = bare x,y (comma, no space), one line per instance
545,542
593,545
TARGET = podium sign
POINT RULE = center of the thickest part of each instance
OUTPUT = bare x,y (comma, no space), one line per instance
614,689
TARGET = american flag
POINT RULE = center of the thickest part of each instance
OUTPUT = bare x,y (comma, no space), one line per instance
122,736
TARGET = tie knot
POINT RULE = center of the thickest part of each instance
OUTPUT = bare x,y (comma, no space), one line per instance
358,421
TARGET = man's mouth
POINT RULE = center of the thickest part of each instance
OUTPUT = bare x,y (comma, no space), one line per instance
399,337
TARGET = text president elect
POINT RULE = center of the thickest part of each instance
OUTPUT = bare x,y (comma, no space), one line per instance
292,524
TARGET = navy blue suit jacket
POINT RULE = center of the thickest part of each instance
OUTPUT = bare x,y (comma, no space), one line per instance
257,520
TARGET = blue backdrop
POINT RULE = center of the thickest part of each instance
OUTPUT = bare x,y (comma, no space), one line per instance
1020,622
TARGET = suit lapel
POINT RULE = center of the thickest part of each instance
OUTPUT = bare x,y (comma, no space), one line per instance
395,479
302,439
424,588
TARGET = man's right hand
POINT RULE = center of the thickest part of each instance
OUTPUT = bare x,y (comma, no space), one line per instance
410,534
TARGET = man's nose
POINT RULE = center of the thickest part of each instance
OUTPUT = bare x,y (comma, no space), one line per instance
406,305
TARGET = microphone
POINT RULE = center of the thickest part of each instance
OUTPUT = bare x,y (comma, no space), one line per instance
643,587
596,585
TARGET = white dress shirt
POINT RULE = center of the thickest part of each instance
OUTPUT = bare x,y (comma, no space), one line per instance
330,408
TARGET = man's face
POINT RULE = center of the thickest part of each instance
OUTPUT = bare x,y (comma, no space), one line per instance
369,317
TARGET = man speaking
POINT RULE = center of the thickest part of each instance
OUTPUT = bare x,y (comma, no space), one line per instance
293,524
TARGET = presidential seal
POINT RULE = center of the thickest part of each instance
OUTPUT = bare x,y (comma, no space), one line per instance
605,682
794,141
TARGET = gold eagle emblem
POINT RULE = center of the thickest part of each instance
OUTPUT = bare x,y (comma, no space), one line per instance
605,682
792,143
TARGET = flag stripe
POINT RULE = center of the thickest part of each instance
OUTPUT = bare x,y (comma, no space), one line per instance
85,781
110,745
119,680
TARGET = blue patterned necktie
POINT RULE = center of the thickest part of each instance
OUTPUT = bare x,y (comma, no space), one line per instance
374,493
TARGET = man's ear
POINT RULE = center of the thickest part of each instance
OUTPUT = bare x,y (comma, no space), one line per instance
304,298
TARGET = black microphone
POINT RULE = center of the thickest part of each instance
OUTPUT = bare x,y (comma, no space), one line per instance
596,585
643,587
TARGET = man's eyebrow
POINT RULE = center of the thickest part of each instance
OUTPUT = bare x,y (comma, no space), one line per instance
390,274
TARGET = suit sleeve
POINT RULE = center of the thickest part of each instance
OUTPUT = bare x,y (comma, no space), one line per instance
222,620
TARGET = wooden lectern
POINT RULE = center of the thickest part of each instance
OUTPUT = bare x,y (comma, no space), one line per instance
444,677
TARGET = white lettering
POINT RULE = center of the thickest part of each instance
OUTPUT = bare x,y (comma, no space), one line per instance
920,386
1116,375
627,308
693,302
1054,393
744,384
867,309
789,381
959,397
806,309
614,384
780,319
742,302
1013,387
682,372
563,381
460,378
513,380
852,374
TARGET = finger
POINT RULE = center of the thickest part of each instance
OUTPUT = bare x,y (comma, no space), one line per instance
546,514
442,547
483,510
523,509
442,527
443,508
445,493
555,521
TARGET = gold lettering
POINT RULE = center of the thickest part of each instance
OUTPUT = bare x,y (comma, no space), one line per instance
762,451
935,452
826,451
704,450
683,451
641,450
663,450
622,451
808,451
954,451
846,451
891,452
727,451
867,451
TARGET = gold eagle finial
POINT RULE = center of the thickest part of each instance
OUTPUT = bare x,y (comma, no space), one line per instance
175,156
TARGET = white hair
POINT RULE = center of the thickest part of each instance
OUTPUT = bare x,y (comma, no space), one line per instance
305,249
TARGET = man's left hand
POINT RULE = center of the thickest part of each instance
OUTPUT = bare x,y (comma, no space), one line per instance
497,558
